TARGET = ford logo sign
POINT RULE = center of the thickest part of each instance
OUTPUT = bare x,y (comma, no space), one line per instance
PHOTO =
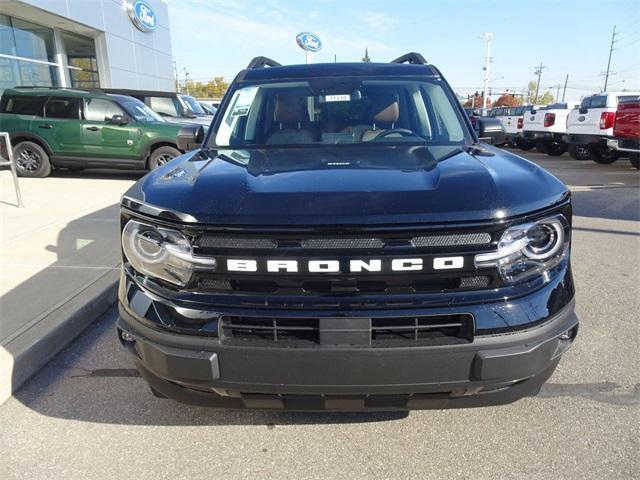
142,16
309,42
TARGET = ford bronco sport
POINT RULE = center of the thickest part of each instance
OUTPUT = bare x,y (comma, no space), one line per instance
343,241
77,129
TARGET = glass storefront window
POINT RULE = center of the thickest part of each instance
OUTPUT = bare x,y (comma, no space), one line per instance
19,38
22,73
33,41
81,57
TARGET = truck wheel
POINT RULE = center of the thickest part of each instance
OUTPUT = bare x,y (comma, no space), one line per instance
579,152
603,154
31,160
541,146
555,149
634,158
524,144
162,155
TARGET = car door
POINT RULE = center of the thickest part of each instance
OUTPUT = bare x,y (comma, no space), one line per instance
103,139
60,126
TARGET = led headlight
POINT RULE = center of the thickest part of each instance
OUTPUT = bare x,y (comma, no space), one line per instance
529,249
161,253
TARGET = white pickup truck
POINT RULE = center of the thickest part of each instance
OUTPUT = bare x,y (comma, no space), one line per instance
547,126
512,119
591,125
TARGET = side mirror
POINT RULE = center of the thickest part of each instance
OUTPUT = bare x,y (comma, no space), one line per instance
118,120
190,137
583,110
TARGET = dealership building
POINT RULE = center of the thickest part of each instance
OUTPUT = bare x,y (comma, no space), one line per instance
86,44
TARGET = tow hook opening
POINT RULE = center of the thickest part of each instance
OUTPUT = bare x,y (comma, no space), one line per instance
127,340
569,335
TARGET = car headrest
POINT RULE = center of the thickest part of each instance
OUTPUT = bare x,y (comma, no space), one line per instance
385,109
289,110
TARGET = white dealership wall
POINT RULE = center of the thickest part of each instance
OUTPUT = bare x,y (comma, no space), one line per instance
127,57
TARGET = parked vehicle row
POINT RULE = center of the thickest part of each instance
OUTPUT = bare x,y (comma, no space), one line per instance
626,129
78,129
585,129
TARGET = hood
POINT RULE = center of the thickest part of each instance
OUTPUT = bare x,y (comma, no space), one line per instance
349,185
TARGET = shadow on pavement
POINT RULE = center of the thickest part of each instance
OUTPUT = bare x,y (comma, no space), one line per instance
608,203
68,388
99,174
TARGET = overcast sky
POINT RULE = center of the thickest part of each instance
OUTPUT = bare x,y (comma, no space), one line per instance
219,37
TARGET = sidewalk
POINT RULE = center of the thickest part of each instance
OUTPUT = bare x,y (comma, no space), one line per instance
59,259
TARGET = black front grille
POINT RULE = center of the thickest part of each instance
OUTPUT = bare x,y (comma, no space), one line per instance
304,248
383,332
340,286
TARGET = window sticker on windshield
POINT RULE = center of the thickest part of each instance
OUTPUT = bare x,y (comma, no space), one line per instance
244,101
337,98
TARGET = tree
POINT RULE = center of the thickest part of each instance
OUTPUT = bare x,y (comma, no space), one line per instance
475,101
215,88
366,58
507,100
543,98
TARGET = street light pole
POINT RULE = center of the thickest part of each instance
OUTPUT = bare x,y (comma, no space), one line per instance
487,61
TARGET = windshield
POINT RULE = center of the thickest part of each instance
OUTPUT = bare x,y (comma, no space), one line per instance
193,104
341,111
140,111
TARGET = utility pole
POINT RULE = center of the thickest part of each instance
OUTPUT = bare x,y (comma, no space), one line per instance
564,90
538,72
175,74
613,40
186,80
487,61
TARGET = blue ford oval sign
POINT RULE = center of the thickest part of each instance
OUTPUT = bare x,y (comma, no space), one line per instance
142,16
309,42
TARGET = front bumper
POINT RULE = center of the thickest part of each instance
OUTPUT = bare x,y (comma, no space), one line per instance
495,368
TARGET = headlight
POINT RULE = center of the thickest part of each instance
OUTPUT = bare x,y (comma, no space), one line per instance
161,253
529,249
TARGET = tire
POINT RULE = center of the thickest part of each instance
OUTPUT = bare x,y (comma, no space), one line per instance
603,154
525,145
162,155
541,146
555,149
579,152
31,160
634,158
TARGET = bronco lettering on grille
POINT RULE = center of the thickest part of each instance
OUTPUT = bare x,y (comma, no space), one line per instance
352,266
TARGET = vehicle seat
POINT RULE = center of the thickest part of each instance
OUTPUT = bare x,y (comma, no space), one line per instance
385,112
291,120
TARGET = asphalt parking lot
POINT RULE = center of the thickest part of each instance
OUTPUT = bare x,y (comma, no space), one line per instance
89,415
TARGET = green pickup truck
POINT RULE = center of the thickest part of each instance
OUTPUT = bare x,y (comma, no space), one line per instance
78,129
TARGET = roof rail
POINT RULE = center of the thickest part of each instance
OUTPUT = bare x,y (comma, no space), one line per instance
261,62
47,87
411,57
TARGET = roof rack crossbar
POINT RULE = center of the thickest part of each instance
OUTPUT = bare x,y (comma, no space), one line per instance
261,62
412,58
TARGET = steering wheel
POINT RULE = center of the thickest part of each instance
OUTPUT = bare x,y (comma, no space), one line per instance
403,132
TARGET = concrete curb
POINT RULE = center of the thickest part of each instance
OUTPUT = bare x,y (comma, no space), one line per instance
24,355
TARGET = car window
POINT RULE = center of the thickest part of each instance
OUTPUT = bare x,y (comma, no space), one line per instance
100,110
62,107
345,110
165,106
23,105
599,101
192,104
586,102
